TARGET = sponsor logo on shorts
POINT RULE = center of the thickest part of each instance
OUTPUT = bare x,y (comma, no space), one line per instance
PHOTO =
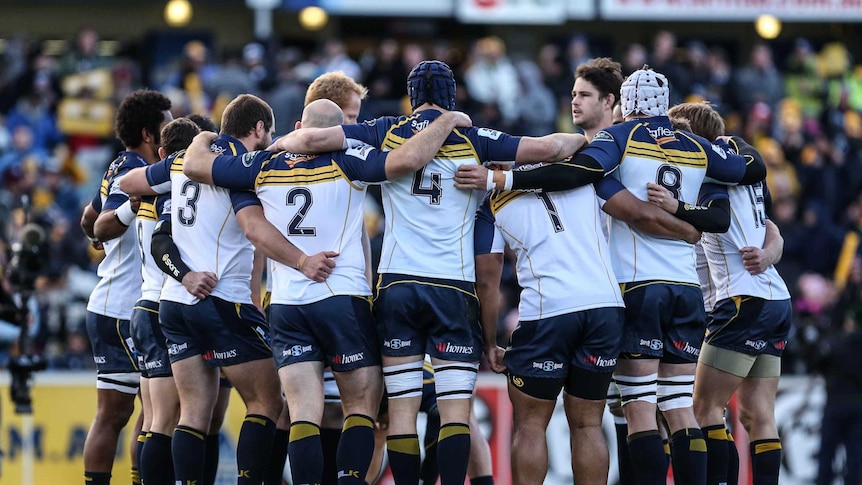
397,343
654,344
599,361
212,354
344,359
156,364
100,359
348,473
756,344
517,381
297,350
448,348
547,366
686,347
175,349
780,345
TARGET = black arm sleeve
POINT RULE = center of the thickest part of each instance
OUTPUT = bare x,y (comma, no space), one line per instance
714,217
581,170
166,254
755,167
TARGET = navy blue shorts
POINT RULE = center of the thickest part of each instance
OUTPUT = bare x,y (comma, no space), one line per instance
224,333
338,331
113,348
749,325
417,315
550,347
664,321
149,340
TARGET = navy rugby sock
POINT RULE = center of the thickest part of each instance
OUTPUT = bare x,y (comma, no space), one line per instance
211,460
486,480
765,461
188,448
355,449
648,457
403,452
689,457
453,450
253,449
732,461
305,453
277,458
329,440
97,478
158,466
717,459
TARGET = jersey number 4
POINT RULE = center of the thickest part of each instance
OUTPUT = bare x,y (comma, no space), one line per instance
433,190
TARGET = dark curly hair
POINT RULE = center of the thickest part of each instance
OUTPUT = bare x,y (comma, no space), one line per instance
142,109
204,123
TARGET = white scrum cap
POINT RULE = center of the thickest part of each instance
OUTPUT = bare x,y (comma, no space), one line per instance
645,92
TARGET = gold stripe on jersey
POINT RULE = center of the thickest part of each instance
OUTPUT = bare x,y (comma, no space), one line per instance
381,287
671,156
125,345
220,231
532,271
464,218
301,176
143,308
177,163
499,199
147,211
103,188
454,151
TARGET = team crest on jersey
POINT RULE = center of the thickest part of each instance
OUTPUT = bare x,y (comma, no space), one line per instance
360,151
720,151
488,133
248,158
603,136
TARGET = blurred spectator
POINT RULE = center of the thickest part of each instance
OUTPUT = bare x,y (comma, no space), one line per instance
193,74
335,58
288,95
76,355
386,81
802,80
578,51
663,60
84,55
493,81
759,81
634,58
24,153
540,118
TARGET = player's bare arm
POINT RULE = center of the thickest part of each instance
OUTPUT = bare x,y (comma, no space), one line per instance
135,182
311,140
649,218
419,149
757,260
268,239
489,269
88,220
112,223
198,159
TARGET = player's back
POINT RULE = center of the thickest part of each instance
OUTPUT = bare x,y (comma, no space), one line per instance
747,228
429,223
119,286
314,204
654,152
145,223
207,233
563,261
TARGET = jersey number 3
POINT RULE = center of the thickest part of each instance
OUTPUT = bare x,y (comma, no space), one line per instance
188,212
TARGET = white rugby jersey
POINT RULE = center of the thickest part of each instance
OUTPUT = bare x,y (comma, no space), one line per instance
563,261
205,229
747,228
429,223
650,150
706,286
145,224
316,202
120,272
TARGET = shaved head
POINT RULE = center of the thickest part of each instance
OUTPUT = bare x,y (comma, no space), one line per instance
322,113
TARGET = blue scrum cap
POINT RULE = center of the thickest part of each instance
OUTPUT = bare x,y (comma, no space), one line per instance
431,82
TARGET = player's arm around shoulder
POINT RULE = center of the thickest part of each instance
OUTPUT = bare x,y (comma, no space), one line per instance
643,216
311,140
549,148
198,160
421,148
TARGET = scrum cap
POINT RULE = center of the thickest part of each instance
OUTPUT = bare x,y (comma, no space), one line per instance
431,82
646,92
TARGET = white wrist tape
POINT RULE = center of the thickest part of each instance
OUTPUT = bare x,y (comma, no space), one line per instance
124,213
509,180
489,184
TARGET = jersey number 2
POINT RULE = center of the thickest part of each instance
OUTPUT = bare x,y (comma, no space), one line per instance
293,227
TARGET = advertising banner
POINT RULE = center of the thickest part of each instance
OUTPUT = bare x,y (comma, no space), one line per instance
739,10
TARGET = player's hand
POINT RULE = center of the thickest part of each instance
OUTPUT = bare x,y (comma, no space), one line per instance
471,177
693,237
754,260
318,266
460,119
662,197
206,137
200,283
495,358
135,201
